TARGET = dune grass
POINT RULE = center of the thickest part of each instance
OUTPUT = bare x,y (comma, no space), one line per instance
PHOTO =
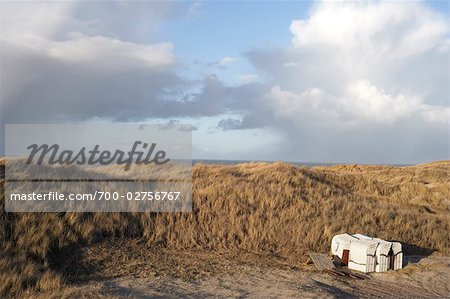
262,207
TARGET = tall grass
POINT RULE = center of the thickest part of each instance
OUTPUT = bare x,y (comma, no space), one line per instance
264,207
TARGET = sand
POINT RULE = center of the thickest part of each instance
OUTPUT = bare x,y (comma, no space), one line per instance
132,270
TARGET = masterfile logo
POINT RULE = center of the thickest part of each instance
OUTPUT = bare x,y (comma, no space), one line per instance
95,156
98,168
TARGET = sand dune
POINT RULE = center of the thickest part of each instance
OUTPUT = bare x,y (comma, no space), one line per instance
270,210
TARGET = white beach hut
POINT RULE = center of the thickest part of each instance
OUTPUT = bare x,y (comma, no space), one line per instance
363,255
340,246
384,255
383,252
397,256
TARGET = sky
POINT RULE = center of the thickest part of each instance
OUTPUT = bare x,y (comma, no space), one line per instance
304,81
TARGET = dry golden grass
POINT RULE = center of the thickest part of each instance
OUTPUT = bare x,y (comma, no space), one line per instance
260,207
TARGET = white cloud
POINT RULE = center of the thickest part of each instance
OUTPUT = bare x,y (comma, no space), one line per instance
361,62
362,103
311,104
193,10
224,62
113,53
22,20
439,115
248,78
365,101
380,29
51,30
400,47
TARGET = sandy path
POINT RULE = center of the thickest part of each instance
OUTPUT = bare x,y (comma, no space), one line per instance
429,278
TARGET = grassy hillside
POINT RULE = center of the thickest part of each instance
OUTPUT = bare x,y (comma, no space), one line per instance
265,207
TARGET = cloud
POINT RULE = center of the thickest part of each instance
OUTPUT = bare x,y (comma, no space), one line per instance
173,123
433,114
224,62
57,20
193,10
34,19
399,49
384,59
112,54
362,103
42,87
360,69
248,78
65,64
229,124
364,100
360,81
365,28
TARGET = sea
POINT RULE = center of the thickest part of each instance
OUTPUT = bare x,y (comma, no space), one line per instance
305,164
